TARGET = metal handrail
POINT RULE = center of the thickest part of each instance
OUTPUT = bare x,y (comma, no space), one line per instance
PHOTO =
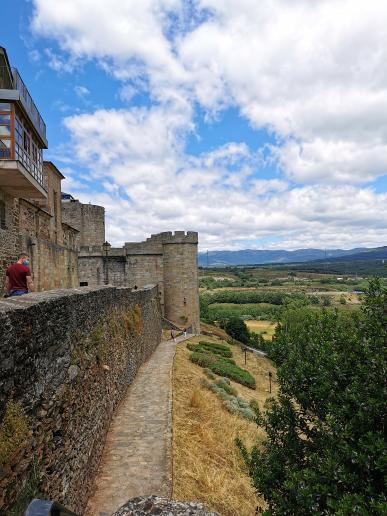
47,508
28,102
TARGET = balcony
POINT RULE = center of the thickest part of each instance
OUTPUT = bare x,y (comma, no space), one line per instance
13,89
22,136
17,181
29,106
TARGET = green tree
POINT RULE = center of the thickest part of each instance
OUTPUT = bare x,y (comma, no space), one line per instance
237,329
258,342
325,451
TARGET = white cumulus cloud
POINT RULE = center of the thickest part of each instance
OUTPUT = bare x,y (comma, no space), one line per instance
313,74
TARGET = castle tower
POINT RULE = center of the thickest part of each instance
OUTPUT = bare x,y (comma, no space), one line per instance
88,219
181,294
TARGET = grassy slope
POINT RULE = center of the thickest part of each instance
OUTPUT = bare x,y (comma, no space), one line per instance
206,464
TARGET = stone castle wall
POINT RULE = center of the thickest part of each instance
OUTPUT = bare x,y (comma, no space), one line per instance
33,230
66,359
88,219
166,259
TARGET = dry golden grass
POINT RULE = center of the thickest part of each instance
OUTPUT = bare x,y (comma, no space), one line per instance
206,463
210,329
262,326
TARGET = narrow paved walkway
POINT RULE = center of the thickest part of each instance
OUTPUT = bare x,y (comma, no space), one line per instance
137,459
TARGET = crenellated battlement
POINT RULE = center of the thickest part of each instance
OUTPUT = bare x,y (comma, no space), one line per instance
168,259
178,237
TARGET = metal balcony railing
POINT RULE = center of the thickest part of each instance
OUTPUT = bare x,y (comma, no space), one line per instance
25,98
29,104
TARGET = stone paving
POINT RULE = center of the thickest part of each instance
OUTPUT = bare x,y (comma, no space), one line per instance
137,460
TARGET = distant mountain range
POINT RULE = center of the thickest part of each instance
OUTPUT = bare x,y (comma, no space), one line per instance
261,257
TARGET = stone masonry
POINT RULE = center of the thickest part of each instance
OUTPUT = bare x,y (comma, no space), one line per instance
36,227
87,219
66,359
166,259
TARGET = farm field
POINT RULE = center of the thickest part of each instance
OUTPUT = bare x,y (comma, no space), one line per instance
266,328
282,280
262,296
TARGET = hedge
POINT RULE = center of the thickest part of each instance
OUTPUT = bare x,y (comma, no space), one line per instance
223,367
210,347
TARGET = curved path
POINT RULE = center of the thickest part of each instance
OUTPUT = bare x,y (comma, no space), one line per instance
137,459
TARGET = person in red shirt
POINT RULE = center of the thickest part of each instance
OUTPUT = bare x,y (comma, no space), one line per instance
18,279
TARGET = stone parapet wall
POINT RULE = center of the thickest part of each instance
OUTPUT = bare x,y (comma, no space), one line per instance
66,359
178,237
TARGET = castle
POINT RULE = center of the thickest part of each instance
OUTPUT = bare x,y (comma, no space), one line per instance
65,238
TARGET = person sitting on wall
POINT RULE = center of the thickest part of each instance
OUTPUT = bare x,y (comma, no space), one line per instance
18,278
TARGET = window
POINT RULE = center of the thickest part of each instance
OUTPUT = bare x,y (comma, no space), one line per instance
5,126
26,141
83,283
5,106
2,215
5,119
5,148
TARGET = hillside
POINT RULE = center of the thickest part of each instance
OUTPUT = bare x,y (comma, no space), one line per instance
378,253
371,262
261,256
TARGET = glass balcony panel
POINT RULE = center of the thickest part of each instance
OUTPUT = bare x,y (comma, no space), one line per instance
5,130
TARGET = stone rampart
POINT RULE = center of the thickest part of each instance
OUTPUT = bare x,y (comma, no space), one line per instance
167,259
66,359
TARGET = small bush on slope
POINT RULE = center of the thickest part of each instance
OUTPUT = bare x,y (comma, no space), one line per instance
234,404
223,367
210,347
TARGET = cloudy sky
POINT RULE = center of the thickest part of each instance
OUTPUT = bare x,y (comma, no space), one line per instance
260,124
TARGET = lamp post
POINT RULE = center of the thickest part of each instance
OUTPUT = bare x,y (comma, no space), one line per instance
105,251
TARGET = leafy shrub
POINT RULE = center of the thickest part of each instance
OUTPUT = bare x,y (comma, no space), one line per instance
210,347
224,367
214,345
237,329
254,405
325,447
224,384
234,404
257,341
223,312
209,373
245,297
